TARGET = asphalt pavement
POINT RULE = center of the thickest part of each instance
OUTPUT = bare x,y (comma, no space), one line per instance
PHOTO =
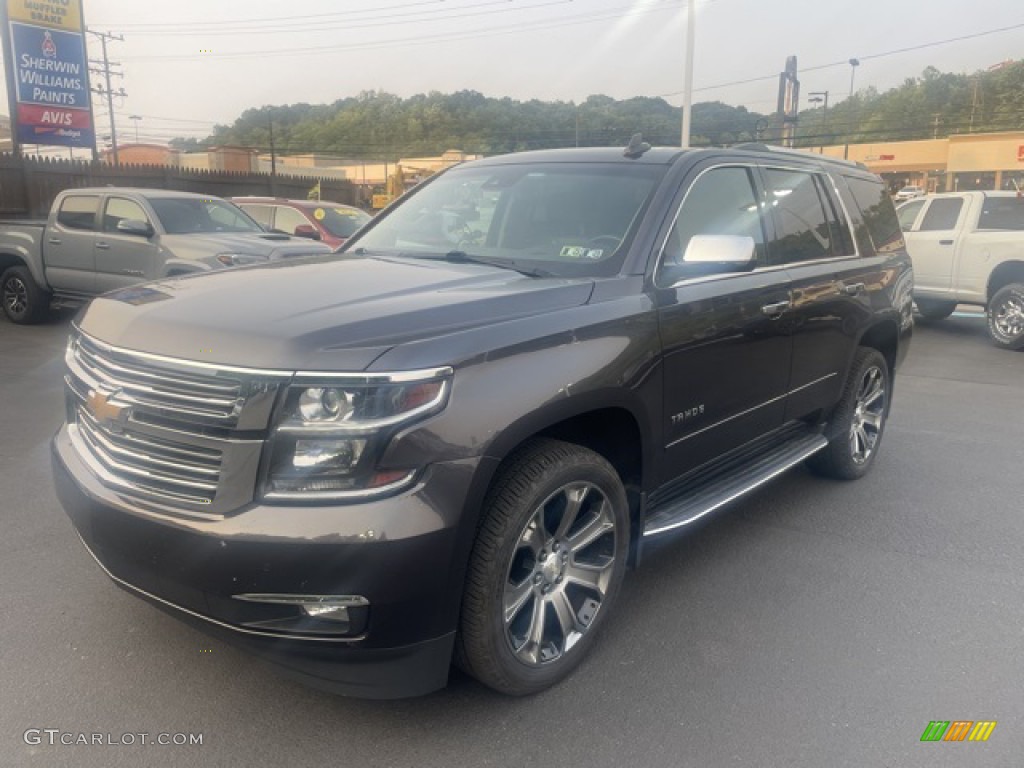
814,624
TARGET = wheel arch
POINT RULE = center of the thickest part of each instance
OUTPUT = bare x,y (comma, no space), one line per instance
8,260
1006,273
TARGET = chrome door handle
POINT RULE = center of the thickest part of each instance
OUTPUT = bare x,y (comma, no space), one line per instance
776,309
854,289
103,246
54,241
133,272
945,242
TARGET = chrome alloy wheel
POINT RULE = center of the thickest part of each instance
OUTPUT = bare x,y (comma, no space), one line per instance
559,573
15,295
1008,317
868,414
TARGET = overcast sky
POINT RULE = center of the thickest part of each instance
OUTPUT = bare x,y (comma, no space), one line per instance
189,64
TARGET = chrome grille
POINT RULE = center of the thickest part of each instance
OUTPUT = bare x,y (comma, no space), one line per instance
186,396
152,466
177,435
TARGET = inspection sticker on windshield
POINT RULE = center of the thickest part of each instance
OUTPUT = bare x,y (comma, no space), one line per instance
581,252
319,214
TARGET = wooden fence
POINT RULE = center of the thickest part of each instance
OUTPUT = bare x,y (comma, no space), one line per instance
28,185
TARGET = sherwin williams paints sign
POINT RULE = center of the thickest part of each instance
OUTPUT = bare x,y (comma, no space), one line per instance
50,101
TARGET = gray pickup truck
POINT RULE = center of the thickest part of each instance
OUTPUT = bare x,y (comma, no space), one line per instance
99,240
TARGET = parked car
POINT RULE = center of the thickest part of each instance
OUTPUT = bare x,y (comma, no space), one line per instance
97,240
968,248
908,193
332,223
453,440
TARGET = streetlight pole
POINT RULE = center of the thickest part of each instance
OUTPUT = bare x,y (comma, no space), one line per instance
816,97
854,63
691,36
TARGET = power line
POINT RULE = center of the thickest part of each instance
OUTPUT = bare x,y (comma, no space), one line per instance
845,62
105,68
382,21
616,13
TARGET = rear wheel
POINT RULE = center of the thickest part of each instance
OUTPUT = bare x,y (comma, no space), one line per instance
546,567
855,429
1006,316
931,309
24,302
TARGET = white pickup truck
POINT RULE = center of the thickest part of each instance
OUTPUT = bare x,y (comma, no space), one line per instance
98,240
968,248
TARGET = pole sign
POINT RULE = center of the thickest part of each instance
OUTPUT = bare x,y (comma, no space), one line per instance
48,63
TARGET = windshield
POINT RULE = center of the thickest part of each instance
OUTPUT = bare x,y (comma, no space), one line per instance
183,215
341,222
570,218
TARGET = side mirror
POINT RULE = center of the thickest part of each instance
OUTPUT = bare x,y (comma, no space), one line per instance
307,230
730,252
135,227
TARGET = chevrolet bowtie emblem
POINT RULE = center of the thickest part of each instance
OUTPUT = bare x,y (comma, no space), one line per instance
106,412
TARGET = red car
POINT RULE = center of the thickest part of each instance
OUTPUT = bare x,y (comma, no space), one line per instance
332,223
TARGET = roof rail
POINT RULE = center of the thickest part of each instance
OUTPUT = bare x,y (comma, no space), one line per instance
754,146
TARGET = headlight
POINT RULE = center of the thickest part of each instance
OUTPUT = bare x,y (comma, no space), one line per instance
330,433
238,259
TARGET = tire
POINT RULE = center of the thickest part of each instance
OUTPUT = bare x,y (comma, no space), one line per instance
557,593
1006,316
932,309
24,302
858,421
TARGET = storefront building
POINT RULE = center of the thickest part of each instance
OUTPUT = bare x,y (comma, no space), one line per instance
961,162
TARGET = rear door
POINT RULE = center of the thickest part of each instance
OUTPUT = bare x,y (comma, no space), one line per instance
123,259
829,280
932,243
726,358
69,243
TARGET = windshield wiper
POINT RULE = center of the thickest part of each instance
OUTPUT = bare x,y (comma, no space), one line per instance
461,257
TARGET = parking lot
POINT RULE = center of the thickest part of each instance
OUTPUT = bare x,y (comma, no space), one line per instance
814,624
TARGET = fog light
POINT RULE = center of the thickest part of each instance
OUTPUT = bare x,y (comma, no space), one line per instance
326,611
336,454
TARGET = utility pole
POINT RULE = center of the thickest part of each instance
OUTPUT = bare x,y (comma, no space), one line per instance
816,97
273,160
104,68
935,130
975,103
854,63
135,119
691,37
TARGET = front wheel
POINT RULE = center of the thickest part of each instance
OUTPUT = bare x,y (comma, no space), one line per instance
932,309
855,429
1006,317
24,301
546,567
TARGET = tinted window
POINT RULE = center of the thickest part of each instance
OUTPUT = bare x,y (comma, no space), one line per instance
1002,213
839,230
942,214
262,213
119,209
341,222
181,215
568,219
288,219
803,232
908,214
78,212
721,202
879,216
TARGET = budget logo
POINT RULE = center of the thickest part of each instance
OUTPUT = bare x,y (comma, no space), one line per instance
958,730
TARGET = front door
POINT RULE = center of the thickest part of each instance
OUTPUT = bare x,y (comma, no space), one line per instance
123,259
726,354
69,243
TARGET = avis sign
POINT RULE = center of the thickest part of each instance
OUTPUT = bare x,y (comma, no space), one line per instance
46,44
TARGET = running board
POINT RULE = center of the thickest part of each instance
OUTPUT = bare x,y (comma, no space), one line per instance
705,498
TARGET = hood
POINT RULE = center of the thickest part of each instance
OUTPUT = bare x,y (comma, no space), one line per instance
274,246
326,313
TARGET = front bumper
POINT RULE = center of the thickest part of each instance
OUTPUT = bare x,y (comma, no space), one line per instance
401,554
